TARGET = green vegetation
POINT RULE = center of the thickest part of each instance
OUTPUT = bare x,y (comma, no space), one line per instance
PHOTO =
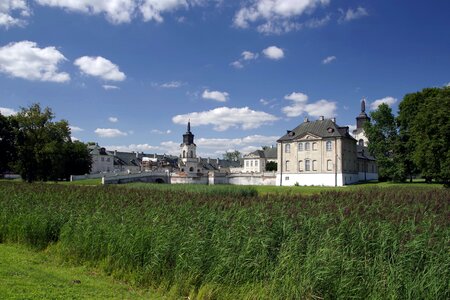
374,243
37,148
417,141
26,274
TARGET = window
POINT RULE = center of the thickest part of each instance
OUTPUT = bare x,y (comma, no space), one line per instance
307,165
361,142
184,153
251,163
307,147
256,163
191,169
329,165
287,148
247,163
300,146
329,144
192,154
287,166
286,178
300,165
314,165
314,146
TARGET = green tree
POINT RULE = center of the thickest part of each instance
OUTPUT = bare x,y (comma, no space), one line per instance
384,143
44,147
408,109
232,155
430,132
7,146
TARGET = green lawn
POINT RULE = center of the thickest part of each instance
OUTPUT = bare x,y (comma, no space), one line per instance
26,274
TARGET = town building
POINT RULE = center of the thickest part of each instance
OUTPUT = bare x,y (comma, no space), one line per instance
256,161
102,161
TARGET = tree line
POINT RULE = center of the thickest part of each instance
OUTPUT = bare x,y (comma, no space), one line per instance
35,146
416,141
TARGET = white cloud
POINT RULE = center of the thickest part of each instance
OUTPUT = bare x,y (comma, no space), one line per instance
109,132
7,111
157,131
351,128
388,100
237,64
276,15
110,87
206,147
172,85
274,53
223,118
300,105
113,119
328,60
99,67
123,11
25,60
215,95
248,55
13,13
75,129
352,14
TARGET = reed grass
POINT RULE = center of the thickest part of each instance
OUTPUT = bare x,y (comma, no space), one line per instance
359,244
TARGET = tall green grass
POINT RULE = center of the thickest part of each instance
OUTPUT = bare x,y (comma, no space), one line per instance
363,244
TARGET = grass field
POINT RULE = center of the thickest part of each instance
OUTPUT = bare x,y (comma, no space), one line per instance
367,243
27,274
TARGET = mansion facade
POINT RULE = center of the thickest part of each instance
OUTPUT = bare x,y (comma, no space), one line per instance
322,153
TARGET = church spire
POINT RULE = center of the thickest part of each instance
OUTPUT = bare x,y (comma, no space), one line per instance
189,126
363,105
362,118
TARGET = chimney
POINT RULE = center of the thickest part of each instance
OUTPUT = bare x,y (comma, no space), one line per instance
115,152
334,120
217,161
306,120
321,118
208,160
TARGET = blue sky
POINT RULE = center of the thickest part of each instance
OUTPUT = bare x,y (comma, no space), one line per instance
128,74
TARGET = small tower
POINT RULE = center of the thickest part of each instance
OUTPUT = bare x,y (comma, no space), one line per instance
188,156
361,119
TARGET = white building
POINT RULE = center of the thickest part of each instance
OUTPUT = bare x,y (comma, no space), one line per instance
188,162
102,161
256,161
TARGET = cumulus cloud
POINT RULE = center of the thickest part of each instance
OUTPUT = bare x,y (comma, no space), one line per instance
352,14
113,119
237,64
26,60
300,105
245,56
110,87
273,52
13,13
7,111
274,16
206,147
123,11
223,118
387,100
328,60
215,95
75,129
109,132
99,67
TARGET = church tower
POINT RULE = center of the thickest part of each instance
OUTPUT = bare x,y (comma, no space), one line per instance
361,119
188,156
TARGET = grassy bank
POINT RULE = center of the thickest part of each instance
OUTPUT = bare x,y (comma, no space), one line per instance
365,243
26,274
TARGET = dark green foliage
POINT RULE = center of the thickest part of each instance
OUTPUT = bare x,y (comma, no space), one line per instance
271,166
431,135
410,109
44,147
7,147
364,244
384,143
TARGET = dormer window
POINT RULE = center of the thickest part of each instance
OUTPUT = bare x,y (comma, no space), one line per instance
330,130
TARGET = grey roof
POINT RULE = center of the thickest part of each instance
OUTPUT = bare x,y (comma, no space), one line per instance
216,164
363,153
257,153
322,128
271,152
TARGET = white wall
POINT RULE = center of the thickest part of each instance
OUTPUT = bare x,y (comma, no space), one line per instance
326,179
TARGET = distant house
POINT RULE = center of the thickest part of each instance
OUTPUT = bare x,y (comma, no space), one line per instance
256,161
102,161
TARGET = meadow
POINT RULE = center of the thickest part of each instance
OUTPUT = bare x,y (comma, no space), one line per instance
238,243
